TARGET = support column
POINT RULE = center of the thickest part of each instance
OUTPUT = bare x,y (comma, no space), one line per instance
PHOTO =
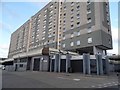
41,64
107,71
86,64
67,62
101,64
59,62
97,63
50,65
32,65
56,63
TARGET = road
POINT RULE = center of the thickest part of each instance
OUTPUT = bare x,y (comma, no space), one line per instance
31,79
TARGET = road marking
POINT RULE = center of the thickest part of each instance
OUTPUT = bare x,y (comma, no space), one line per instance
64,78
92,86
113,82
109,83
76,79
100,85
105,86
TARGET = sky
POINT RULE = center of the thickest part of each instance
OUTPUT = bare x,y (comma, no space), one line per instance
14,14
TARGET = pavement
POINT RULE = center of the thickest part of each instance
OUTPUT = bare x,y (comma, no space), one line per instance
32,79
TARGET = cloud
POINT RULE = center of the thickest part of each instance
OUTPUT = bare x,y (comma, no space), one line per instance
4,50
6,26
115,41
115,34
4,47
9,11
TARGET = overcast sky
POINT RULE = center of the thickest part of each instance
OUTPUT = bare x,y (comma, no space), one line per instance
14,14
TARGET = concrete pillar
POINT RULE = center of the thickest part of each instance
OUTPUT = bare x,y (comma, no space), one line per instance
107,71
101,64
50,65
41,64
56,62
97,63
86,64
32,65
67,62
59,62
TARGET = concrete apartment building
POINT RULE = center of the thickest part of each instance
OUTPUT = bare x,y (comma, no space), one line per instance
80,27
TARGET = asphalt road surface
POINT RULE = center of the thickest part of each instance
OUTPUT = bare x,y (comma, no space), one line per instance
31,79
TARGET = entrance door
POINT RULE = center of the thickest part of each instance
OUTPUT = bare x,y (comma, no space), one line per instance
15,67
63,65
77,65
53,63
36,64
29,62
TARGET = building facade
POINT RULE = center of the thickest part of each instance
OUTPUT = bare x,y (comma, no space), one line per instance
81,27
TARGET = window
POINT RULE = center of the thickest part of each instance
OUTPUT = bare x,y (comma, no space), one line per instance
37,40
53,40
63,37
78,42
64,21
46,10
51,11
50,35
71,17
72,26
72,44
51,5
89,30
78,23
108,22
89,40
63,28
78,15
37,35
88,2
50,23
109,41
64,7
38,20
78,33
72,10
21,65
63,45
64,14
72,3
43,38
45,21
78,7
45,15
88,10
72,35
39,15
89,20
50,29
